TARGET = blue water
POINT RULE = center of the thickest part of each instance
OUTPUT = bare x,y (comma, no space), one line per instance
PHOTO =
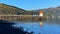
35,26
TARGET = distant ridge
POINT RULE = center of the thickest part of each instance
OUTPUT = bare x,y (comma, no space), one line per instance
52,10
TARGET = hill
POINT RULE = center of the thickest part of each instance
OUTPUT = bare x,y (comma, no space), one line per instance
8,9
52,10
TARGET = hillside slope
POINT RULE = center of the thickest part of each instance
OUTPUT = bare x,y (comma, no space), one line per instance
52,10
7,9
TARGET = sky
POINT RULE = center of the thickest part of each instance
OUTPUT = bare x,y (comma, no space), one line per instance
32,4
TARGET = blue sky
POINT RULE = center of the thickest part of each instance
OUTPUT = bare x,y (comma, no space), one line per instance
32,4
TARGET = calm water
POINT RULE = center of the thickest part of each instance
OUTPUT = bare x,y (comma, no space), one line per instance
40,27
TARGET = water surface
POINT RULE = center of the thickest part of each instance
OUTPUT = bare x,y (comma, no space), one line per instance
36,27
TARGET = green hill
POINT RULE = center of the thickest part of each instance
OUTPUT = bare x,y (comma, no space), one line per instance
7,9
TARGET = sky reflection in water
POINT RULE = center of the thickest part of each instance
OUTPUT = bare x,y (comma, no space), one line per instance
36,27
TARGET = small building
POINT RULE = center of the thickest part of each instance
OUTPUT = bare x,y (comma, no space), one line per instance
41,13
